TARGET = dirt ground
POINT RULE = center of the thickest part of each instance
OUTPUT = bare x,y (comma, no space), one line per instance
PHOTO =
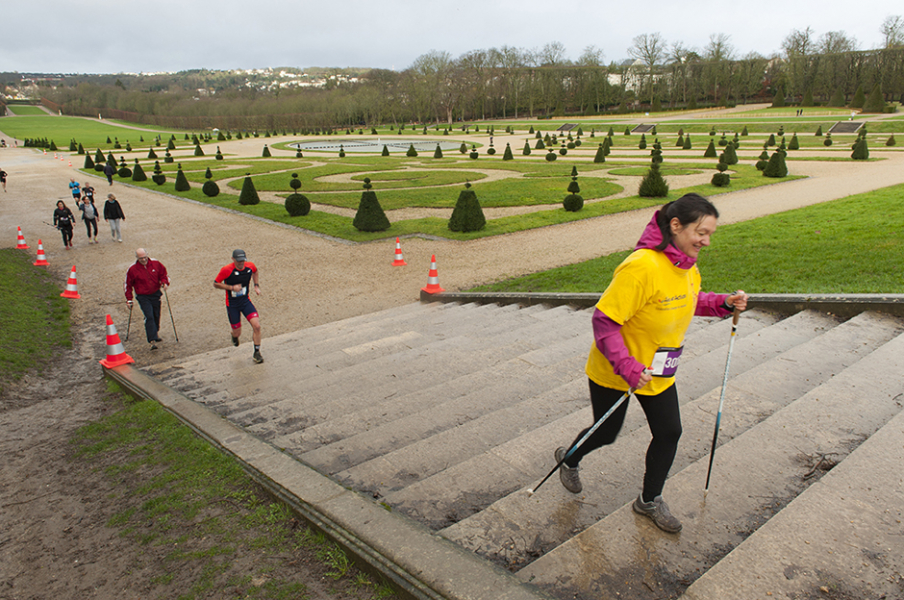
53,541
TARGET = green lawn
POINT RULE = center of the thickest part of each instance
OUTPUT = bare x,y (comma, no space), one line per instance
852,245
34,321
21,110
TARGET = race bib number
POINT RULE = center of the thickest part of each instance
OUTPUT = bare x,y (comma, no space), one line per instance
665,362
240,293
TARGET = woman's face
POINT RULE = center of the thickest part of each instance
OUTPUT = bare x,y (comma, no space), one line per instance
60,204
691,238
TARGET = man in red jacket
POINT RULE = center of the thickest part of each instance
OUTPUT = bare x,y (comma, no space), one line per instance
147,277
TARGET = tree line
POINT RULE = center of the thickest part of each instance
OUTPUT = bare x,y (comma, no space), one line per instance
510,82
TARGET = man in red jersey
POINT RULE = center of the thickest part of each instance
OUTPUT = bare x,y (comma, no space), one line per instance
236,278
147,277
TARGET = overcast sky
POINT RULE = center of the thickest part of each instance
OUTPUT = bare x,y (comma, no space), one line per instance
105,36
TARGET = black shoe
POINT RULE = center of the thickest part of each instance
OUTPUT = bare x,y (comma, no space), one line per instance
257,357
153,346
158,340
235,341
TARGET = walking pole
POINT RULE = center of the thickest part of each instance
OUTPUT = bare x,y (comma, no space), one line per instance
532,491
712,453
170,309
129,327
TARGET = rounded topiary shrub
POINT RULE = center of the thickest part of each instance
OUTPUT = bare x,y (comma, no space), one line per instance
168,158
182,184
248,196
219,155
341,151
551,156
297,205
99,167
370,215
861,150
464,148
467,214
124,172
491,151
643,142
828,140
653,184
563,150
473,153
573,203
891,140
721,179
210,188
138,173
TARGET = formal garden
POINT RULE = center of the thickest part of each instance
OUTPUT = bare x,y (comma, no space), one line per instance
519,172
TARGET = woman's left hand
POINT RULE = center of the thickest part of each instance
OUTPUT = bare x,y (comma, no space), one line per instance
737,300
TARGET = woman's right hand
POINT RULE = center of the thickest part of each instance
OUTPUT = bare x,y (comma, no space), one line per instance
644,379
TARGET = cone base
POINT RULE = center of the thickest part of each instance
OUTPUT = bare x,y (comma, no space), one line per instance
116,361
41,263
72,295
399,263
434,289
22,246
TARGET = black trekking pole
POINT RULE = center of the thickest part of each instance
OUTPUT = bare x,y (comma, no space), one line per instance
170,309
586,436
129,327
712,453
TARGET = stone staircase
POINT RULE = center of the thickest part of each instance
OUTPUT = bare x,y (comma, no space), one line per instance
447,413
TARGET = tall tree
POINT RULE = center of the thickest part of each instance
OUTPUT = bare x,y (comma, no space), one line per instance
650,49
892,31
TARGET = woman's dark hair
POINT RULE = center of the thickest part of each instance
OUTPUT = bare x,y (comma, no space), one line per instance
688,209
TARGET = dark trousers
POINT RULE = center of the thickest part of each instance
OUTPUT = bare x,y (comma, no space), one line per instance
150,306
67,235
89,223
664,419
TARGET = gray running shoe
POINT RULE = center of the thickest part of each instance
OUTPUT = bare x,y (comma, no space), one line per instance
257,357
658,511
569,476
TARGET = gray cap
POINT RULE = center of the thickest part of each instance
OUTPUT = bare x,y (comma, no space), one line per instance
238,255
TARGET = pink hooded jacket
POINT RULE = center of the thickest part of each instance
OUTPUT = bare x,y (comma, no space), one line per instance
607,332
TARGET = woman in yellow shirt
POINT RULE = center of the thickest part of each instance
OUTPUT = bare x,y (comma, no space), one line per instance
639,326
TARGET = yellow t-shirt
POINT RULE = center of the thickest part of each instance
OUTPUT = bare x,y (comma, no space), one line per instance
654,301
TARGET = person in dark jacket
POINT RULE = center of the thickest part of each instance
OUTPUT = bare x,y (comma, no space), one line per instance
147,277
109,171
113,215
63,219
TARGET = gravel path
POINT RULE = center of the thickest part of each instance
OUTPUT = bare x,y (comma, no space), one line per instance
309,280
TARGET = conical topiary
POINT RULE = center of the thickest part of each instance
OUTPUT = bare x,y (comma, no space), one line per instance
729,156
198,150
248,196
467,214
438,153
151,153
861,151
600,156
680,142
507,155
171,145
859,98
891,140
297,205
687,142
818,131
370,215
526,150
138,173
643,142
410,153
89,164
776,166
182,184
99,156
710,150
653,184
794,144
837,100
266,152
875,103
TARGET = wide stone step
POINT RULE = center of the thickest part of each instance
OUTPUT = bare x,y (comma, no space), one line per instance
516,529
844,534
400,373
754,476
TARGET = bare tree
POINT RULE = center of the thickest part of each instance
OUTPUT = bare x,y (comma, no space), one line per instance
836,42
650,49
893,31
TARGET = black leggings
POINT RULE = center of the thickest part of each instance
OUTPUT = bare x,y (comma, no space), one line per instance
67,235
89,223
664,419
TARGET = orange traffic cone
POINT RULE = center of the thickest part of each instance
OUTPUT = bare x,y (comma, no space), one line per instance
70,163
433,279
116,354
71,290
42,260
399,259
20,240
